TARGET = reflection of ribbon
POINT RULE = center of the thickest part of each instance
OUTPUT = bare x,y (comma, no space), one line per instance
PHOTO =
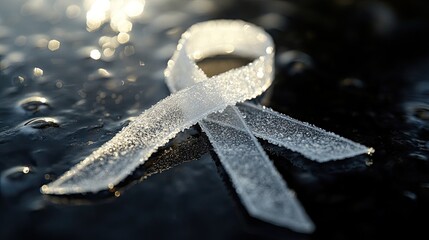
231,129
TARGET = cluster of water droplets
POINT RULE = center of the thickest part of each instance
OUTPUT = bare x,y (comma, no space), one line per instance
66,81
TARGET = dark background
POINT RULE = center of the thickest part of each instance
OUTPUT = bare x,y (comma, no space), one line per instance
357,68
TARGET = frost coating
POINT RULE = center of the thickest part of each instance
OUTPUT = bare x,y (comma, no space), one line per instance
198,99
257,182
311,141
133,145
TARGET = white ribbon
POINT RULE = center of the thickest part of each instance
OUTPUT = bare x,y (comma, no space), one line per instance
231,129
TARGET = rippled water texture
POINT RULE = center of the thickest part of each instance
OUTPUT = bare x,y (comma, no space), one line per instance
73,73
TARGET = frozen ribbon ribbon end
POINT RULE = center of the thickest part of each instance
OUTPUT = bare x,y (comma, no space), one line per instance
231,128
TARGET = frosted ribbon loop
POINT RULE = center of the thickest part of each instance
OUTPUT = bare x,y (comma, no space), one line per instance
231,129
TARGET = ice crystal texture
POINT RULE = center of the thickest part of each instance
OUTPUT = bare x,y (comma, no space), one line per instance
312,142
257,182
231,129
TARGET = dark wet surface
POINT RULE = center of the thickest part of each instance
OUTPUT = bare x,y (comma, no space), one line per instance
68,84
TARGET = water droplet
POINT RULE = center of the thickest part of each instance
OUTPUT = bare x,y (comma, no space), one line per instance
18,81
123,37
34,104
59,84
25,170
422,113
134,8
95,54
44,188
108,52
42,123
100,74
104,73
73,11
37,72
15,180
54,45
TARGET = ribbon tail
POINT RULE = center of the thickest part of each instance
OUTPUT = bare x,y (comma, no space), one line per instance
133,145
312,142
260,187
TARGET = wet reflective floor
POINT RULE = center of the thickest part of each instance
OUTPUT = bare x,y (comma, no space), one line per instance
73,73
